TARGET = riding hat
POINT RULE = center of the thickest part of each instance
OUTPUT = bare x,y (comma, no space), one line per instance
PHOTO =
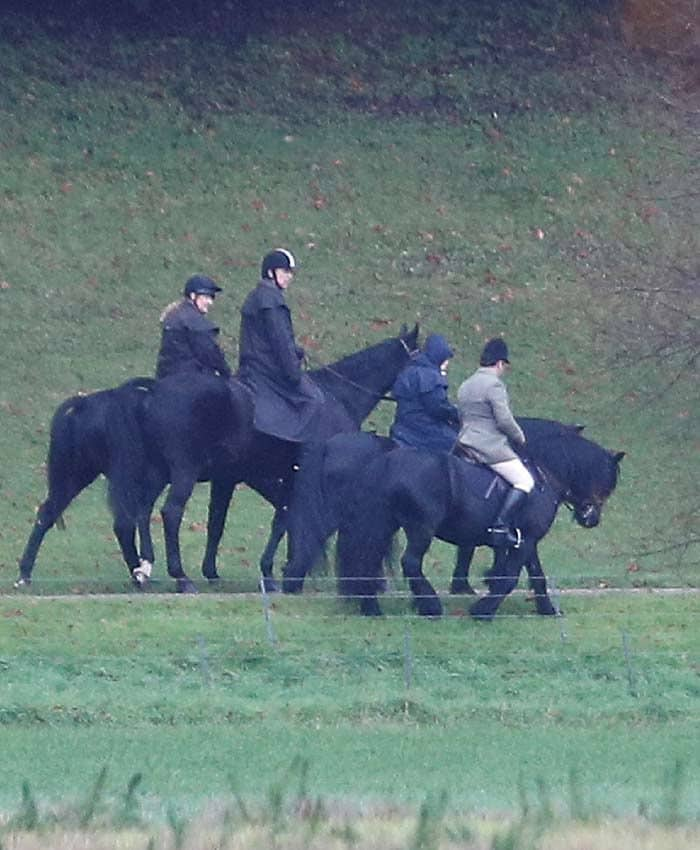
280,258
494,350
199,284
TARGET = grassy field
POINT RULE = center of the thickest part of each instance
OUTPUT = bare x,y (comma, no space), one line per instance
205,695
531,199
506,172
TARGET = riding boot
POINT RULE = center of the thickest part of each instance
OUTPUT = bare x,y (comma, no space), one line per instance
501,532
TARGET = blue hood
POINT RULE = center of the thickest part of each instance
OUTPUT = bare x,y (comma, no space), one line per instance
437,349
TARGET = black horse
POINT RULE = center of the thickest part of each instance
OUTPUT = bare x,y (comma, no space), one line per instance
444,496
145,434
325,485
85,442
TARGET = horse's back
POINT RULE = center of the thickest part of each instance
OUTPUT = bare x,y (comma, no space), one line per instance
207,407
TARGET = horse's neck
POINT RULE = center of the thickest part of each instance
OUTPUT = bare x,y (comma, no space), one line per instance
557,458
359,381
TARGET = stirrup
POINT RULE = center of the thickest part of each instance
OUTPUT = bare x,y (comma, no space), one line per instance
506,538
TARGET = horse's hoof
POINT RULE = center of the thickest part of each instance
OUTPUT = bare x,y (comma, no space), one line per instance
544,607
431,608
270,585
184,585
141,574
482,610
461,588
370,608
210,574
22,582
213,580
292,585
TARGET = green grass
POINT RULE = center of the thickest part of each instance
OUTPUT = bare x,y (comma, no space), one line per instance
111,198
412,175
195,693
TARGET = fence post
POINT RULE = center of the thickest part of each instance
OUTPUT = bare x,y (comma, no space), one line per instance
271,636
555,597
631,678
407,668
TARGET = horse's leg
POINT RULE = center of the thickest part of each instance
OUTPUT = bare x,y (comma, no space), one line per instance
426,599
172,512
48,514
220,495
267,560
131,514
304,549
369,606
125,531
500,581
538,585
460,577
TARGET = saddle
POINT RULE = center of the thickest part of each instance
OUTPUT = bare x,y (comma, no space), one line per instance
491,481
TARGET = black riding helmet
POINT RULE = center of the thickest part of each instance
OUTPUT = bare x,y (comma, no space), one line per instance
494,350
280,258
199,284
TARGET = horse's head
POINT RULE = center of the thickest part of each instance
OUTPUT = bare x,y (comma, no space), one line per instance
587,494
409,339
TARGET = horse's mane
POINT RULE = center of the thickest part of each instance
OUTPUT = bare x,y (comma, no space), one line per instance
581,463
353,366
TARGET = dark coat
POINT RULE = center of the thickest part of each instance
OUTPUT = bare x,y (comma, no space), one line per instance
189,343
425,418
287,402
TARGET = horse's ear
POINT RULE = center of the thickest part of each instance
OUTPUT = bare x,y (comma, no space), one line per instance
617,456
403,330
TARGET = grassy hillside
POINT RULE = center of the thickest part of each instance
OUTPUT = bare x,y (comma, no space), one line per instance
489,170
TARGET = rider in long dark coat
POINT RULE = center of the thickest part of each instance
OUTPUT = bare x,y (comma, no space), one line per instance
288,404
425,418
189,339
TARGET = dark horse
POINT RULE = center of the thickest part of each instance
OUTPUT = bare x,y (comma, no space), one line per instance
325,485
84,444
444,496
144,435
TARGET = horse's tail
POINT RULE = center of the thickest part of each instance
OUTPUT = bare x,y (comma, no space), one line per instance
311,517
127,446
366,532
322,486
75,455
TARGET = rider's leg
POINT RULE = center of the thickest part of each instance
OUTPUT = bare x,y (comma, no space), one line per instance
517,475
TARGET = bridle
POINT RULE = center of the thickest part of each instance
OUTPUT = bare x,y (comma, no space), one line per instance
580,512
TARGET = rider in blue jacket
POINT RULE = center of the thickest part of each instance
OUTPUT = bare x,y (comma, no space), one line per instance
425,418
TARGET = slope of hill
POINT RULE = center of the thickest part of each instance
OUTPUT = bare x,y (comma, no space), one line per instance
487,170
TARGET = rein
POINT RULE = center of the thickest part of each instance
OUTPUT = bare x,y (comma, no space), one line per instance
564,494
354,384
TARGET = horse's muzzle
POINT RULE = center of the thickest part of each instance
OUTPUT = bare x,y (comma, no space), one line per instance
587,516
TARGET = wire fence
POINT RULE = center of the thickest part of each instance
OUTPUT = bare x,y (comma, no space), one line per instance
393,592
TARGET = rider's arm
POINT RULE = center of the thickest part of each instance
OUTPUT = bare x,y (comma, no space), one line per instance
206,351
280,336
438,405
498,399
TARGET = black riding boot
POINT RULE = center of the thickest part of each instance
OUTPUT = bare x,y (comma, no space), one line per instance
501,532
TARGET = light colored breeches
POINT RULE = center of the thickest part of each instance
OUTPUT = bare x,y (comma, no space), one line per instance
515,473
